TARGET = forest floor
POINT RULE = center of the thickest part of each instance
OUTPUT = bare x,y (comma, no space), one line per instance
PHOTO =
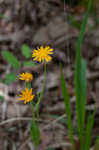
54,23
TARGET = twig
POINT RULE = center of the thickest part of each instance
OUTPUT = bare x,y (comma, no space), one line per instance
19,119
60,145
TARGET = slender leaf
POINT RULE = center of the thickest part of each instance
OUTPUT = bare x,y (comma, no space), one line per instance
79,70
11,59
67,108
88,136
83,91
35,133
96,147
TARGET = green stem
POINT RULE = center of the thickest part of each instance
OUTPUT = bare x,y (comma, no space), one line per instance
28,85
32,104
42,92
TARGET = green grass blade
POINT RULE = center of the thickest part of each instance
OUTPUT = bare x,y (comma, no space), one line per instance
83,28
79,66
88,135
81,97
83,91
67,108
96,147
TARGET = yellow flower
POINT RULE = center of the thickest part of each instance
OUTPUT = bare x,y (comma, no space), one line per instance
26,76
42,54
26,95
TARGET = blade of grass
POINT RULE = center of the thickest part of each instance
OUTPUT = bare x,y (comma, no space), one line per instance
96,147
83,92
67,108
82,102
79,89
88,135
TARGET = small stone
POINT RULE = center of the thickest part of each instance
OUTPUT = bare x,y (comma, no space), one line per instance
95,63
41,36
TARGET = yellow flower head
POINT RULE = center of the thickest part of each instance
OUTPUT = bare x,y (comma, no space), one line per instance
42,54
26,76
26,95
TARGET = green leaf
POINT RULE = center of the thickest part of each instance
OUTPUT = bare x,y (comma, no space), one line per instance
1,80
96,147
83,82
26,51
29,64
81,96
1,98
35,133
10,78
80,77
88,135
11,59
67,108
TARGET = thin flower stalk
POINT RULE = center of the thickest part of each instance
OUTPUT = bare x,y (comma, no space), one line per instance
42,92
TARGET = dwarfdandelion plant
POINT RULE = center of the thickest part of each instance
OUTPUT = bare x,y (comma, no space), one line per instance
41,55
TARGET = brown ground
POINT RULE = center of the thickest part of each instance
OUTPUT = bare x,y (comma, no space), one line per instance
45,22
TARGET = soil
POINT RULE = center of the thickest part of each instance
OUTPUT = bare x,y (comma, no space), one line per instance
55,23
